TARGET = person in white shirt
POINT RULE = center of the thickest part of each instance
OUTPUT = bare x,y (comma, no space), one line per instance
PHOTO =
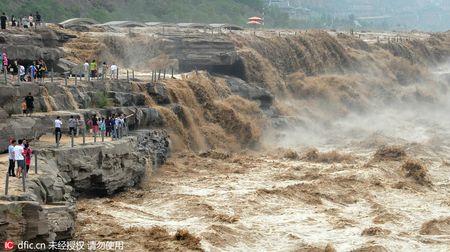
11,157
58,125
86,69
22,73
18,156
113,69
31,19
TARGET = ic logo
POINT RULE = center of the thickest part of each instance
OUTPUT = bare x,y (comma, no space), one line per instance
9,245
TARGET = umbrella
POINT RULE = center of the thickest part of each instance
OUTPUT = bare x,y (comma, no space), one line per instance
255,19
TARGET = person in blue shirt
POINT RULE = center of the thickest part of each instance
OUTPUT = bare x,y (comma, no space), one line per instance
33,72
11,168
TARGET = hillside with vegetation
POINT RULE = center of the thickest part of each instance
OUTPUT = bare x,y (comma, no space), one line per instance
428,15
207,11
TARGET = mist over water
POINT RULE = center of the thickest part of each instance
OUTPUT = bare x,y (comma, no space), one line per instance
403,121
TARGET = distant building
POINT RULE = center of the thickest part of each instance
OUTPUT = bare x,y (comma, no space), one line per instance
282,4
294,10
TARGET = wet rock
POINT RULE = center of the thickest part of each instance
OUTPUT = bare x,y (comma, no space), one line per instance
154,143
179,112
127,99
158,92
101,169
202,53
65,66
33,45
22,221
29,221
61,219
250,91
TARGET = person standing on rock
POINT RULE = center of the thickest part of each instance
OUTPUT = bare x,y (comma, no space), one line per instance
13,21
95,126
38,19
5,59
86,69
81,126
102,126
108,126
25,22
102,70
23,106
21,72
93,68
27,153
12,69
112,124
72,126
58,125
114,70
18,156
30,19
11,157
3,19
29,99
33,70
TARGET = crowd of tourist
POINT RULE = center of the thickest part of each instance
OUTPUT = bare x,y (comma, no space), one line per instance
36,70
92,70
29,21
20,153
110,126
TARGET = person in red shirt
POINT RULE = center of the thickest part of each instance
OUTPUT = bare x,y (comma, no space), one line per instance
27,153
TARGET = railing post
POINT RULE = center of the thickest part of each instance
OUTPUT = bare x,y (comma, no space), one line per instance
103,136
65,79
84,134
6,183
117,77
128,76
24,177
172,72
35,162
132,73
71,139
4,74
76,79
51,75
95,137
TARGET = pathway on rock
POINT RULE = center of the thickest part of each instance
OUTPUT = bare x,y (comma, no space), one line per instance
45,142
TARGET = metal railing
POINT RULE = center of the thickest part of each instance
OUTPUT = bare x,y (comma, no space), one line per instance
116,134
80,77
